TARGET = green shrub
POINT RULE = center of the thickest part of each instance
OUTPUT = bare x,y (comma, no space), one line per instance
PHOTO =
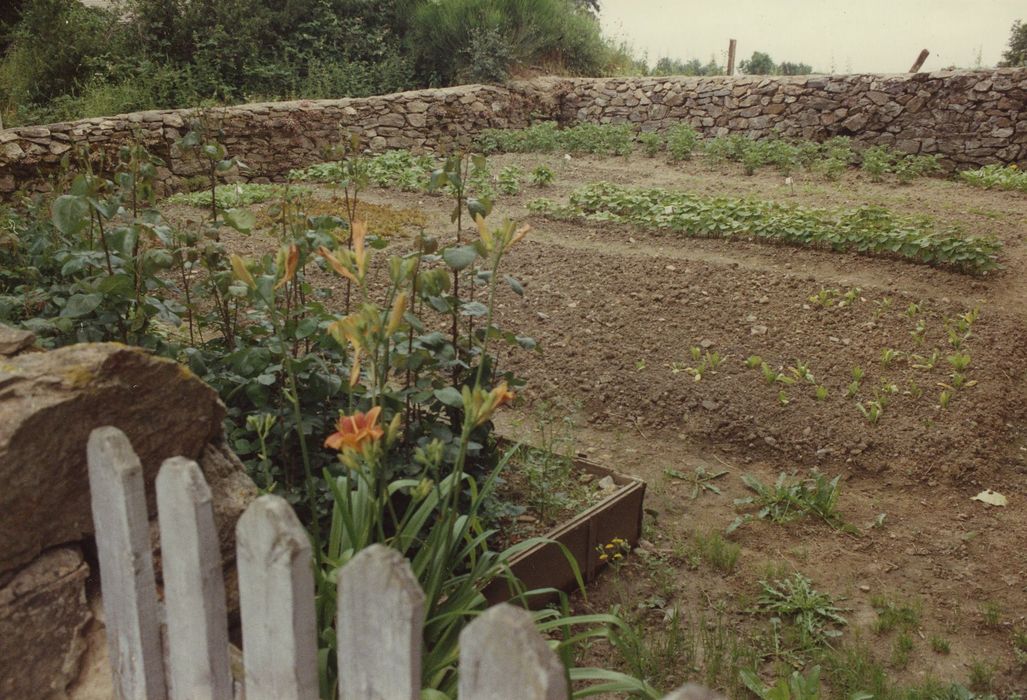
878,161
510,180
652,143
996,177
682,139
912,167
457,40
542,176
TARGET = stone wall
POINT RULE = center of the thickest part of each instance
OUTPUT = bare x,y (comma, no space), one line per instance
273,138
970,118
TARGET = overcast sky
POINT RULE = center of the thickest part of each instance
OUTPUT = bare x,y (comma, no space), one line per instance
878,36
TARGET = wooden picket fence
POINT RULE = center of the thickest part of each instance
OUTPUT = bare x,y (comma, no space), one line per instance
380,605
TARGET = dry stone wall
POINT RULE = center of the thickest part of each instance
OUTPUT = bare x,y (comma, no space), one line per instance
273,138
970,118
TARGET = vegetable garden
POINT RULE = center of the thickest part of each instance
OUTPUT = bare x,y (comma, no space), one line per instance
815,357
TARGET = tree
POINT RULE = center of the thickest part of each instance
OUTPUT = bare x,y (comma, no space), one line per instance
1016,55
787,68
759,64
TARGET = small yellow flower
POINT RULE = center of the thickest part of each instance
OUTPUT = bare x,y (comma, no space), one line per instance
603,557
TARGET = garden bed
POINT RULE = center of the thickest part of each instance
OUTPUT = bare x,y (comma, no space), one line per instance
612,511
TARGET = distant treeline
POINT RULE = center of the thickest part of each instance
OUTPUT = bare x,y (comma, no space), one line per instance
60,59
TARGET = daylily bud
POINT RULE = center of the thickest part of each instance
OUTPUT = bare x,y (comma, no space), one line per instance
354,370
337,264
423,488
286,264
484,233
241,273
392,432
399,307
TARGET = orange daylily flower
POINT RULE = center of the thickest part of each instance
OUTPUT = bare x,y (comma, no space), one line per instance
356,430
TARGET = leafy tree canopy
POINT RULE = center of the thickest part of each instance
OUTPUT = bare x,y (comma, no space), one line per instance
1016,54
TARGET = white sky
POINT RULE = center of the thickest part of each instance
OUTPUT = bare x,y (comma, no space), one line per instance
859,36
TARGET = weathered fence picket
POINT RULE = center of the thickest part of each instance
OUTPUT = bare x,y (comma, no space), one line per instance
276,600
194,589
126,565
380,605
501,652
378,591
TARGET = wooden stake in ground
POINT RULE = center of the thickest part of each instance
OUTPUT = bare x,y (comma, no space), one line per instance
920,61
731,57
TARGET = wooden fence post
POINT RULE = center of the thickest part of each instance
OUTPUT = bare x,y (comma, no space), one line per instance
502,656
919,62
194,587
276,594
379,599
732,45
126,566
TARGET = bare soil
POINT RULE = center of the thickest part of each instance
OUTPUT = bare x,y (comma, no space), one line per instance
616,310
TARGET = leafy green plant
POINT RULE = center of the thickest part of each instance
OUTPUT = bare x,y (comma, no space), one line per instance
912,167
871,410
821,393
701,480
682,140
996,177
510,180
960,361
867,230
652,143
877,162
797,686
754,361
801,371
889,355
813,613
542,176
940,645
787,500
825,298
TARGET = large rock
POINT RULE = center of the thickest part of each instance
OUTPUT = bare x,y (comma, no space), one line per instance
49,403
43,619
